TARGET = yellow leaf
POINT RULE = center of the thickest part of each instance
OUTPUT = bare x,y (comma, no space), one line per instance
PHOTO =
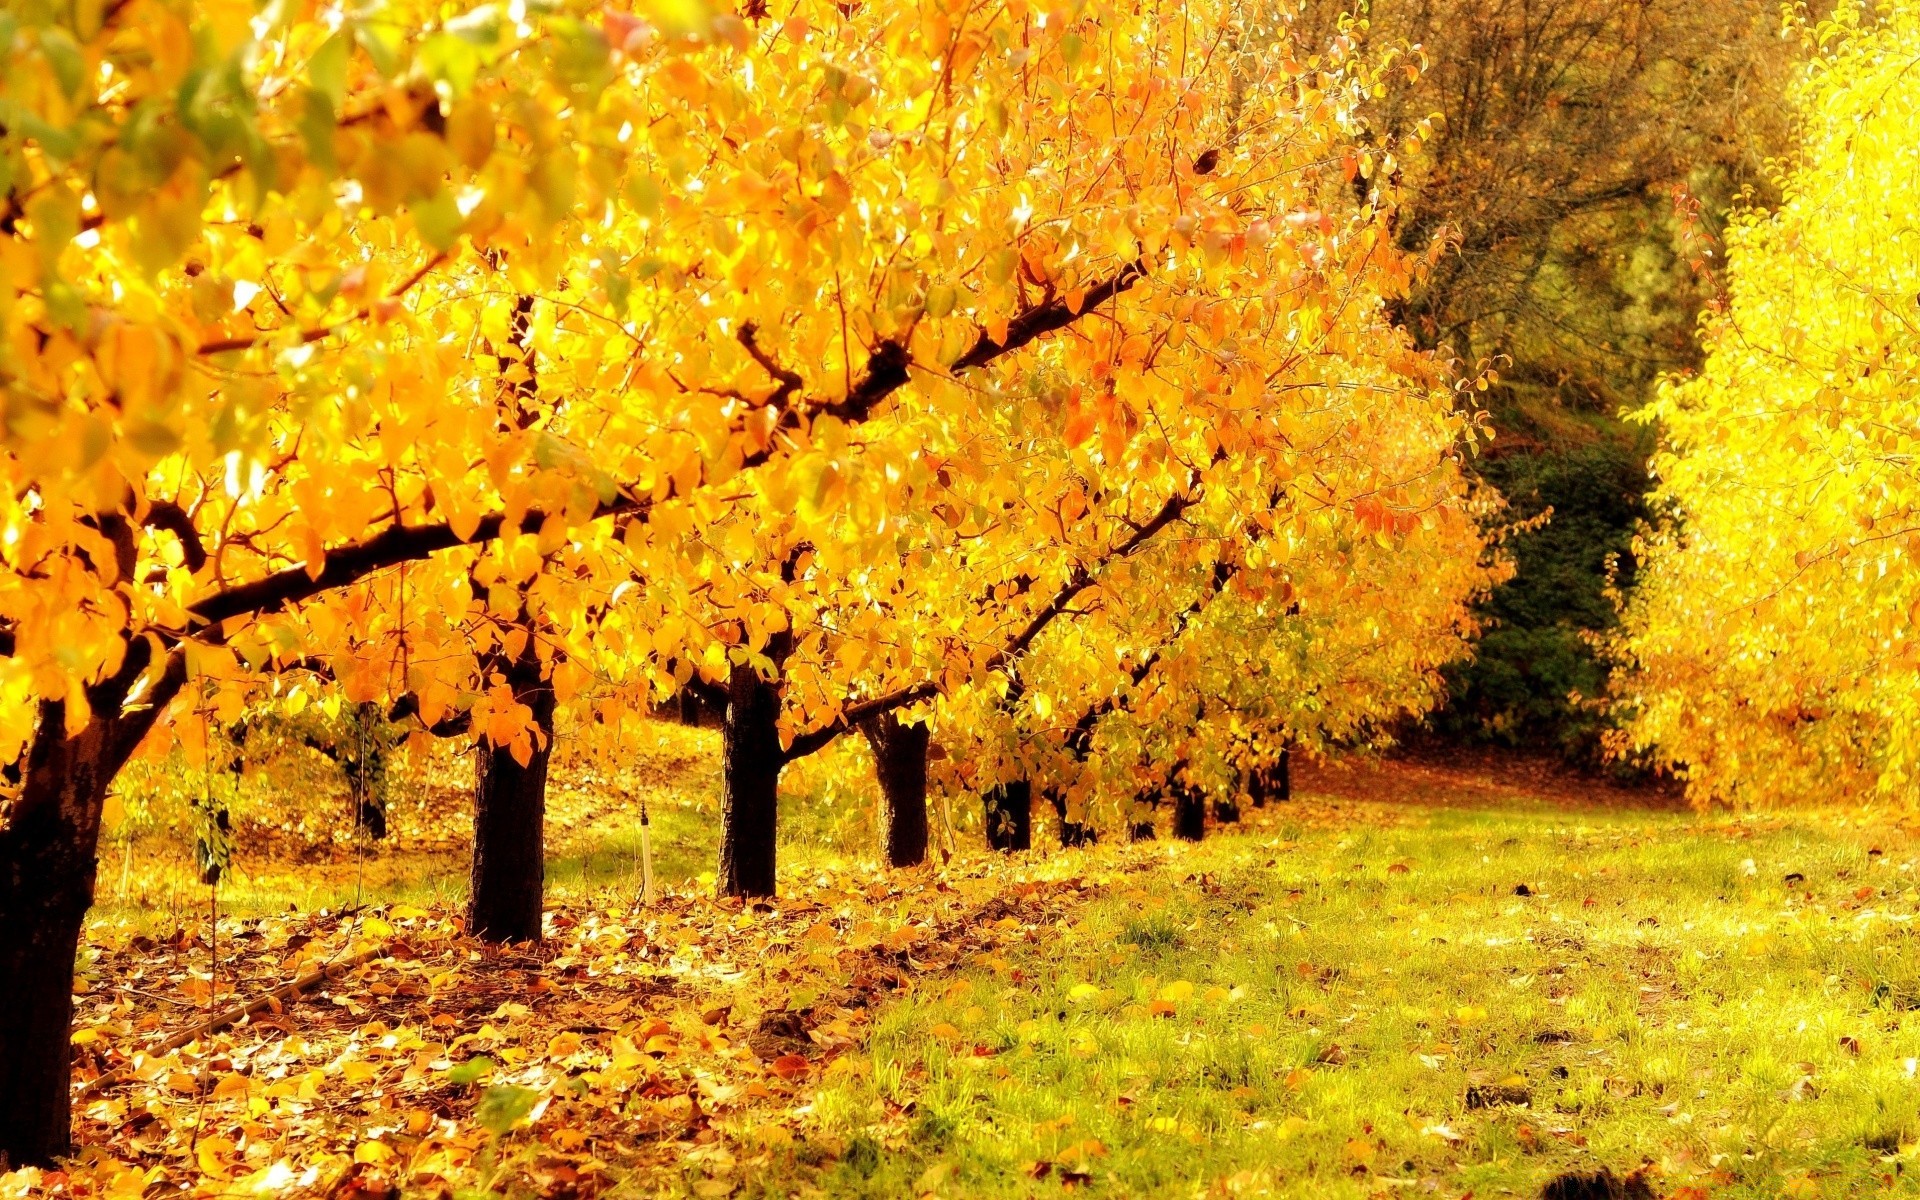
211,1153
372,1152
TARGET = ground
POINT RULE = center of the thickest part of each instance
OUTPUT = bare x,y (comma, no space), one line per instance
1443,979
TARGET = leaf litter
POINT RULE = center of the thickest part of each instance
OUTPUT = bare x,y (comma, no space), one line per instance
676,1041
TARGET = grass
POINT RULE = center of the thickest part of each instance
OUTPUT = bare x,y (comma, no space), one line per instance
1410,981
1357,1001
294,849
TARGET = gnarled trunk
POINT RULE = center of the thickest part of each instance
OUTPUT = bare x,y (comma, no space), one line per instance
509,820
751,759
900,758
1009,815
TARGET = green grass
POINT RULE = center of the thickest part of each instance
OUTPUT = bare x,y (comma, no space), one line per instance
1662,996
293,848
1351,1000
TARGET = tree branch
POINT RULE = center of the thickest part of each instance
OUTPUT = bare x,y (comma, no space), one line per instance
1078,581
886,373
307,336
169,516
1045,318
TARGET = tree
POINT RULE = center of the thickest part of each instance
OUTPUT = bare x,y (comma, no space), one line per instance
498,347
1767,653
1319,619
262,277
1584,155
761,738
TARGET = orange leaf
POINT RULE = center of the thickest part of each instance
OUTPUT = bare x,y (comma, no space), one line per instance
789,1066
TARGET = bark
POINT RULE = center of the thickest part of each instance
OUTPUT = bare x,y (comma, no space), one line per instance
1141,831
751,758
900,755
1189,813
509,820
48,857
1009,815
1226,812
1283,776
364,760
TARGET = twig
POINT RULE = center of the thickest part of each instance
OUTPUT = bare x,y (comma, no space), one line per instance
239,1012
157,996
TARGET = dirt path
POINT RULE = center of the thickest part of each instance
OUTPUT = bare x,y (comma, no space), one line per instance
1477,779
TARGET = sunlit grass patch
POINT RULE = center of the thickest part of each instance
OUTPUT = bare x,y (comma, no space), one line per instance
1463,1000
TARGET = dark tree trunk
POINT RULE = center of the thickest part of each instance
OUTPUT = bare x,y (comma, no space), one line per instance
371,818
1072,833
48,856
900,756
1226,812
690,707
1009,813
751,759
509,820
1189,813
366,765
1141,827
1271,781
48,851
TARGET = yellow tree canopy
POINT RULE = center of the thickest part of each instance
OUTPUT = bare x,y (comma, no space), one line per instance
382,338
1769,649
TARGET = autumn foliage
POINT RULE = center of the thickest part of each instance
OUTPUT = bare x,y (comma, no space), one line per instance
986,373
1768,651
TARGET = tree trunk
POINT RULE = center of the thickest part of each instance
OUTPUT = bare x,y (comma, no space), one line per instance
509,820
749,806
900,756
1189,813
1271,781
48,855
366,765
1146,805
1072,833
1009,813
